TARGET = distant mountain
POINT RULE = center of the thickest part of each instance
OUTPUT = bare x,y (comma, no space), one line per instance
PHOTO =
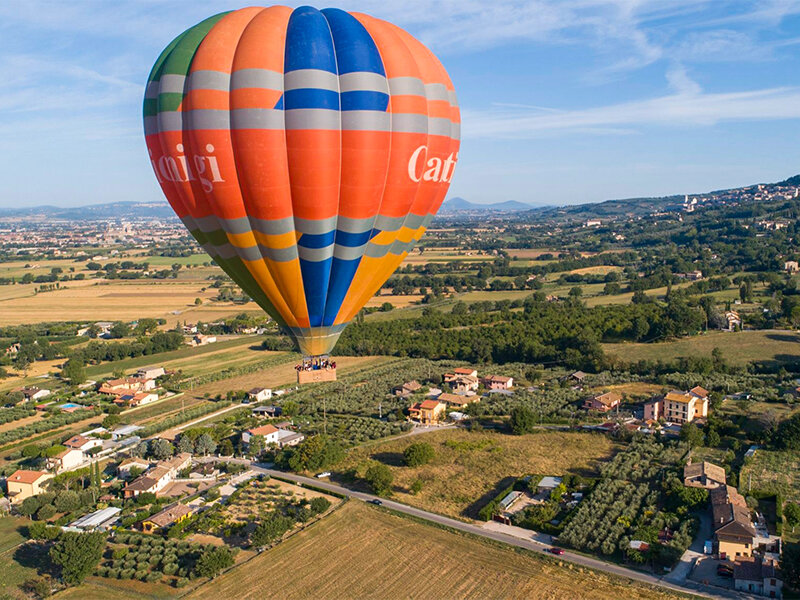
455,205
110,210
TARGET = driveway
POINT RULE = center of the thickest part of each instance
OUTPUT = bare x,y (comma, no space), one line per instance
680,573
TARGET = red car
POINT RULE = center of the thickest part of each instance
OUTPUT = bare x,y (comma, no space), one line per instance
557,551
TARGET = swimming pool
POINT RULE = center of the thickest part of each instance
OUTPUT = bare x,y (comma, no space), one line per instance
69,405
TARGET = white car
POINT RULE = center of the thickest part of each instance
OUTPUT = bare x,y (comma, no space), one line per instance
324,474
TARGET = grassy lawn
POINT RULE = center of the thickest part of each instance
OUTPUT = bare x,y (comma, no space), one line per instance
364,552
470,467
738,348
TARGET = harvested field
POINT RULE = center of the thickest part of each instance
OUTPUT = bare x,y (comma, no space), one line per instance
363,552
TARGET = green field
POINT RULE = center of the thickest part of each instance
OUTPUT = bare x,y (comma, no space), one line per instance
739,348
14,572
469,466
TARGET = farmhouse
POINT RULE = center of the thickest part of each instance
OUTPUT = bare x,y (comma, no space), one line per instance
155,480
267,411
136,399
454,400
791,266
201,340
268,432
603,402
34,393
464,384
65,460
167,517
149,373
757,576
703,474
287,437
406,389
428,412
578,376
497,382
733,529
83,443
459,372
23,484
259,394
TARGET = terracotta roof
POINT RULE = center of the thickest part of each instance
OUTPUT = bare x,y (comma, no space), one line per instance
429,404
169,515
452,399
464,371
699,391
263,430
609,398
675,396
498,378
76,441
24,476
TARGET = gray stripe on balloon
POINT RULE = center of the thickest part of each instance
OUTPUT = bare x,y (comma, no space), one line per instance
363,81
387,223
209,80
351,225
315,226
172,84
256,118
273,226
265,79
312,118
315,254
311,79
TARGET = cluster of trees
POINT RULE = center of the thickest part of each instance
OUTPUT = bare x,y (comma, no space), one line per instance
628,502
95,352
312,454
545,332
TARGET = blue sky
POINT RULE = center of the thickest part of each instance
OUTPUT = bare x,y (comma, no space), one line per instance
563,101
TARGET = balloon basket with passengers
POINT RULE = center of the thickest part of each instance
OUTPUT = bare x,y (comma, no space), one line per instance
307,152
314,369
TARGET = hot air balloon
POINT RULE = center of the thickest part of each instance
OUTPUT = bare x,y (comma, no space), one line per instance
306,150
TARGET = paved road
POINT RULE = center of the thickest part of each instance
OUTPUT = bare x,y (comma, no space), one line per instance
530,544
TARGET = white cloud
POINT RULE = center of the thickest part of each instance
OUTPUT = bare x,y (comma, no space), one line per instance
680,109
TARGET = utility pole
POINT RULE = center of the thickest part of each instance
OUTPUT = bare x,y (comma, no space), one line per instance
380,411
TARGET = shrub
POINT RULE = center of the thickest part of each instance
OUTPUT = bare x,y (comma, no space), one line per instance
419,453
119,553
181,582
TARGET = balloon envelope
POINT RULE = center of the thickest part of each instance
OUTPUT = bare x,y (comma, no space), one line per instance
307,151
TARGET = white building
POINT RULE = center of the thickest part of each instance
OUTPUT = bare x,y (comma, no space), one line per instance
259,394
268,432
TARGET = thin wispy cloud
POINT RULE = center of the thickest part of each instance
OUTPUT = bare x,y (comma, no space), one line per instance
690,108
